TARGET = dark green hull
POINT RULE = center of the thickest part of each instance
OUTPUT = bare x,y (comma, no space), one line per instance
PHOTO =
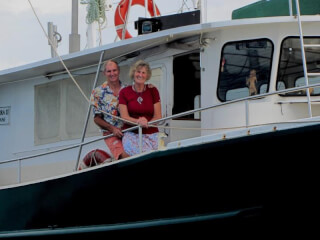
255,183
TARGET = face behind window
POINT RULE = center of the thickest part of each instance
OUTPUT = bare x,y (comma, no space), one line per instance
245,68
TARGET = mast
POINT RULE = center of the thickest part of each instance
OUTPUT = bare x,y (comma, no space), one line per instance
203,10
74,37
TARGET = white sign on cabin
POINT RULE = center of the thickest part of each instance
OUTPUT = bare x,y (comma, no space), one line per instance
4,115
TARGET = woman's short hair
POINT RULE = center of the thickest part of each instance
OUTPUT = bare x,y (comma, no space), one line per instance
138,65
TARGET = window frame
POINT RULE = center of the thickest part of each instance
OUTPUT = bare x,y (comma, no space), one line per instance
64,86
221,93
300,93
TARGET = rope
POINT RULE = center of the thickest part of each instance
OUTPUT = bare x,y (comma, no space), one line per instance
184,3
118,8
69,73
55,49
93,157
96,11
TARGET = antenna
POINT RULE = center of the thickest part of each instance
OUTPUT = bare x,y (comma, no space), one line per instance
74,37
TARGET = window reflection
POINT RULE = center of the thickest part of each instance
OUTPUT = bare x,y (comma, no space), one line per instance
245,69
291,72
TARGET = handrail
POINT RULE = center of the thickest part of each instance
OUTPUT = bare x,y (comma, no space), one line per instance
167,118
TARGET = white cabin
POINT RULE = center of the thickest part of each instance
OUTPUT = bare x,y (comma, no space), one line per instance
195,66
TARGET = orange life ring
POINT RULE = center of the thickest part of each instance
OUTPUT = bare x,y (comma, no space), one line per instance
121,13
94,158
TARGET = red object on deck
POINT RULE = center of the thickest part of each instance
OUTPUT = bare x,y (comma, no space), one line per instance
94,158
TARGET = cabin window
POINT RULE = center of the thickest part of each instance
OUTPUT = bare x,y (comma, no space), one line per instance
290,72
186,71
61,106
245,68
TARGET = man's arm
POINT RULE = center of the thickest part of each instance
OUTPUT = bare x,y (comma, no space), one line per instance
107,126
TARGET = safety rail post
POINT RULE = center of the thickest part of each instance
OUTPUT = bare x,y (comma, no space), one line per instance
140,139
19,171
290,8
305,71
88,113
247,113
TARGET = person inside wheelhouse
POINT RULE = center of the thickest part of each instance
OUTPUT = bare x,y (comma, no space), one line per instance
244,69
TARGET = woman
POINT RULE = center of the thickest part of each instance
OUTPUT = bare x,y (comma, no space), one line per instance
140,104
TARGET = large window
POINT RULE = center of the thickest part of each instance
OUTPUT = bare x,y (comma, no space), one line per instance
60,110
290,72
245,69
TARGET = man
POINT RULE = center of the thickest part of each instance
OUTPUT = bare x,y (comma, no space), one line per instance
105,99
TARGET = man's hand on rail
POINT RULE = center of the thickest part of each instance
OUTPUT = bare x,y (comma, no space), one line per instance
117,132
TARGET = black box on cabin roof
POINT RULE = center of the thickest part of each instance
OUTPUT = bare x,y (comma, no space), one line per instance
155,24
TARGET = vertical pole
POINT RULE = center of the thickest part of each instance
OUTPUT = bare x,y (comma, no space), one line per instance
54,40
19,171
203,11
247,113
303,56
88,113
52,29
140,139
290,8
74,37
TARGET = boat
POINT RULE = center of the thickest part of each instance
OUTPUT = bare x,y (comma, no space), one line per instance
241,116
